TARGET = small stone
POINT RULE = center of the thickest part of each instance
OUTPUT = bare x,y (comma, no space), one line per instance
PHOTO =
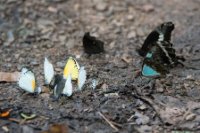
52,9
148,8
60,64
190,117
17,56
112,95
112,44
34,63
104,87
190,77
131,34
70,43
50,107
140,32
101,6
5,128
27,129
143,107
58,69
141,119
77,7
160,89
130,17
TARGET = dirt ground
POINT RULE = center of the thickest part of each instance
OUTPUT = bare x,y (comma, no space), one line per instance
31,30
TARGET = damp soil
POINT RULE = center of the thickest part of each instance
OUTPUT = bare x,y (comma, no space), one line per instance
122,101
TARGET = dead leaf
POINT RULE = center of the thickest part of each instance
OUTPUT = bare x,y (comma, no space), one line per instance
9,77
126,58
28,116
5,113
57,128
172,115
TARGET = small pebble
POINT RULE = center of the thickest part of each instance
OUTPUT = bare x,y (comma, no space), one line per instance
101,6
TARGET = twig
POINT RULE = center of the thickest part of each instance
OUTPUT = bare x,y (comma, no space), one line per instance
109,122
14,120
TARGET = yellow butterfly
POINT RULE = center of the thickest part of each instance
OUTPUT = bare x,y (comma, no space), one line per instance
71,68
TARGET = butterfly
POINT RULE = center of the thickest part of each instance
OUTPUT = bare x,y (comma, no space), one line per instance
71,68
92,45
27,81
160,33
81,78
48,71
159,59
63,86
68,86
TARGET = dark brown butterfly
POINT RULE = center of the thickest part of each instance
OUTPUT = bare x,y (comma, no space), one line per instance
92,45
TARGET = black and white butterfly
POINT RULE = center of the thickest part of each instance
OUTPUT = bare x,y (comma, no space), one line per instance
159,59
160,33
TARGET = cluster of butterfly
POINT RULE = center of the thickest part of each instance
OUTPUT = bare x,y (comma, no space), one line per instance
159,55
61,84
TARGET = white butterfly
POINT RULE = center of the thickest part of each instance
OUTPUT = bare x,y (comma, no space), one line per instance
81,78
48,71
27,81
68,87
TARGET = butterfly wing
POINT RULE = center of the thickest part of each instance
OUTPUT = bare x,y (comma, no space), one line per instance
148,43
58,89
160,33
68,87
81,78
71,68
27,81
153,64
48,71
24,70
149,71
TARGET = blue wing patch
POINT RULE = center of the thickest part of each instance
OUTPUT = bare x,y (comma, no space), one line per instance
149,72
149,55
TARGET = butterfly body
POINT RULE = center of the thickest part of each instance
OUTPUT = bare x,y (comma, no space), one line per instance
92,45
59,86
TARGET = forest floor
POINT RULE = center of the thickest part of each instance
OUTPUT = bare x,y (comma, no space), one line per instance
122,102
